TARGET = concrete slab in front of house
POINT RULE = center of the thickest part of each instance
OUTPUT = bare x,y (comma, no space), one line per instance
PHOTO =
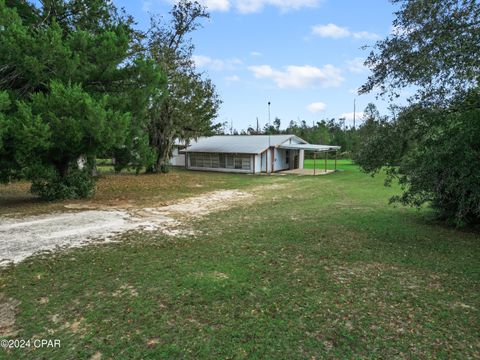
307,172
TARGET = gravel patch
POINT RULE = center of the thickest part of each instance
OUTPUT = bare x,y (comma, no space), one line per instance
21,238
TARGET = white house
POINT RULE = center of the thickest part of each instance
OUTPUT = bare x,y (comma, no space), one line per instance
245,153
177,159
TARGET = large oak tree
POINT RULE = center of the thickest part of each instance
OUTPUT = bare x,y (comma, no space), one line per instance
188,106
432,146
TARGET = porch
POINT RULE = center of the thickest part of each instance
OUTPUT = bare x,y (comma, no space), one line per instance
316,149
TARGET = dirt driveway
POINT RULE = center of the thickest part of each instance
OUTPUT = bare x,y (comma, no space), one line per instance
21,238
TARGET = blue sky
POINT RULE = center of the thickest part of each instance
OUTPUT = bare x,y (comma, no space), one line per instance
304,56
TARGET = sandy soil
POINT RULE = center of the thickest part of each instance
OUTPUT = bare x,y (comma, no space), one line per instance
8,310
21,238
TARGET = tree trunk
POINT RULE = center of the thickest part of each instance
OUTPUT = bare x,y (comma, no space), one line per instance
62,168
162,134
164,149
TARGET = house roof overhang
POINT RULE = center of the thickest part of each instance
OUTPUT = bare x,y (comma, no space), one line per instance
310,147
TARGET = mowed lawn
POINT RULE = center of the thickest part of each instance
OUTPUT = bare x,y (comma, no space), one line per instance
315,267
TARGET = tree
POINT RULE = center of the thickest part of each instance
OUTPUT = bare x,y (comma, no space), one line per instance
136,151
434,46
371,121
442,169
268,129
186,108
431,147
277,123
67,72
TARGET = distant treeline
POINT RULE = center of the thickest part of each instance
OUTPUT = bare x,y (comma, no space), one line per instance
324,132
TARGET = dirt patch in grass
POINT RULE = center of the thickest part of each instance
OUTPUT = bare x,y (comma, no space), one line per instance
75,326
8,311
125,290
21,238
407,279
213,276
96,356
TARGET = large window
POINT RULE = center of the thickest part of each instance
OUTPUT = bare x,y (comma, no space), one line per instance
223,161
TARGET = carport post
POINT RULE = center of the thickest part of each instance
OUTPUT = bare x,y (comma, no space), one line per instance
336,152
325,162
314,157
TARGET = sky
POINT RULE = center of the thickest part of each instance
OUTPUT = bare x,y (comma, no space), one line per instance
305,57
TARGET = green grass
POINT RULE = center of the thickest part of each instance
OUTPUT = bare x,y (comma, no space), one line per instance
342,164
318,267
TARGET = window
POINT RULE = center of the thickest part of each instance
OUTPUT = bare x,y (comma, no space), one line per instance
223,161
229,161
246,162
238,162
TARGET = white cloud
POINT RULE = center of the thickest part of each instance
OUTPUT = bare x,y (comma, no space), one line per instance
232,78
255,53
146,5
216,5
330,31
356,66
316,107
300,76
349,116
336,32
365,35
202,61
243,6
251,6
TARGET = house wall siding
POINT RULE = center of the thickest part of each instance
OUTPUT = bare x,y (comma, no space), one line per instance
281,160
177,159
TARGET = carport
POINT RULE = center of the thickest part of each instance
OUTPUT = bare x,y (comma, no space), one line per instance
316,149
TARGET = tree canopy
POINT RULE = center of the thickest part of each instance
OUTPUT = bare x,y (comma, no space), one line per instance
434,47
77,80
431,147
190,102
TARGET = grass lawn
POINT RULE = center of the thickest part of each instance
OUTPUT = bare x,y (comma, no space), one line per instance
315,267
342,164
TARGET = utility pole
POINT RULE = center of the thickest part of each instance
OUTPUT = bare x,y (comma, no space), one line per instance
354,104
269,143
258,127
269,113
268,124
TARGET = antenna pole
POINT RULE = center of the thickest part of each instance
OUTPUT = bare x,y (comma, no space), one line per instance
269,143
354,105
269,113
269,123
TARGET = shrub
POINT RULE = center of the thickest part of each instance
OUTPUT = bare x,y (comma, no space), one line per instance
444,169
50,186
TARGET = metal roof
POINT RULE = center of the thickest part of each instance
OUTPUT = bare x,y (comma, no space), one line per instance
241,144
311,147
